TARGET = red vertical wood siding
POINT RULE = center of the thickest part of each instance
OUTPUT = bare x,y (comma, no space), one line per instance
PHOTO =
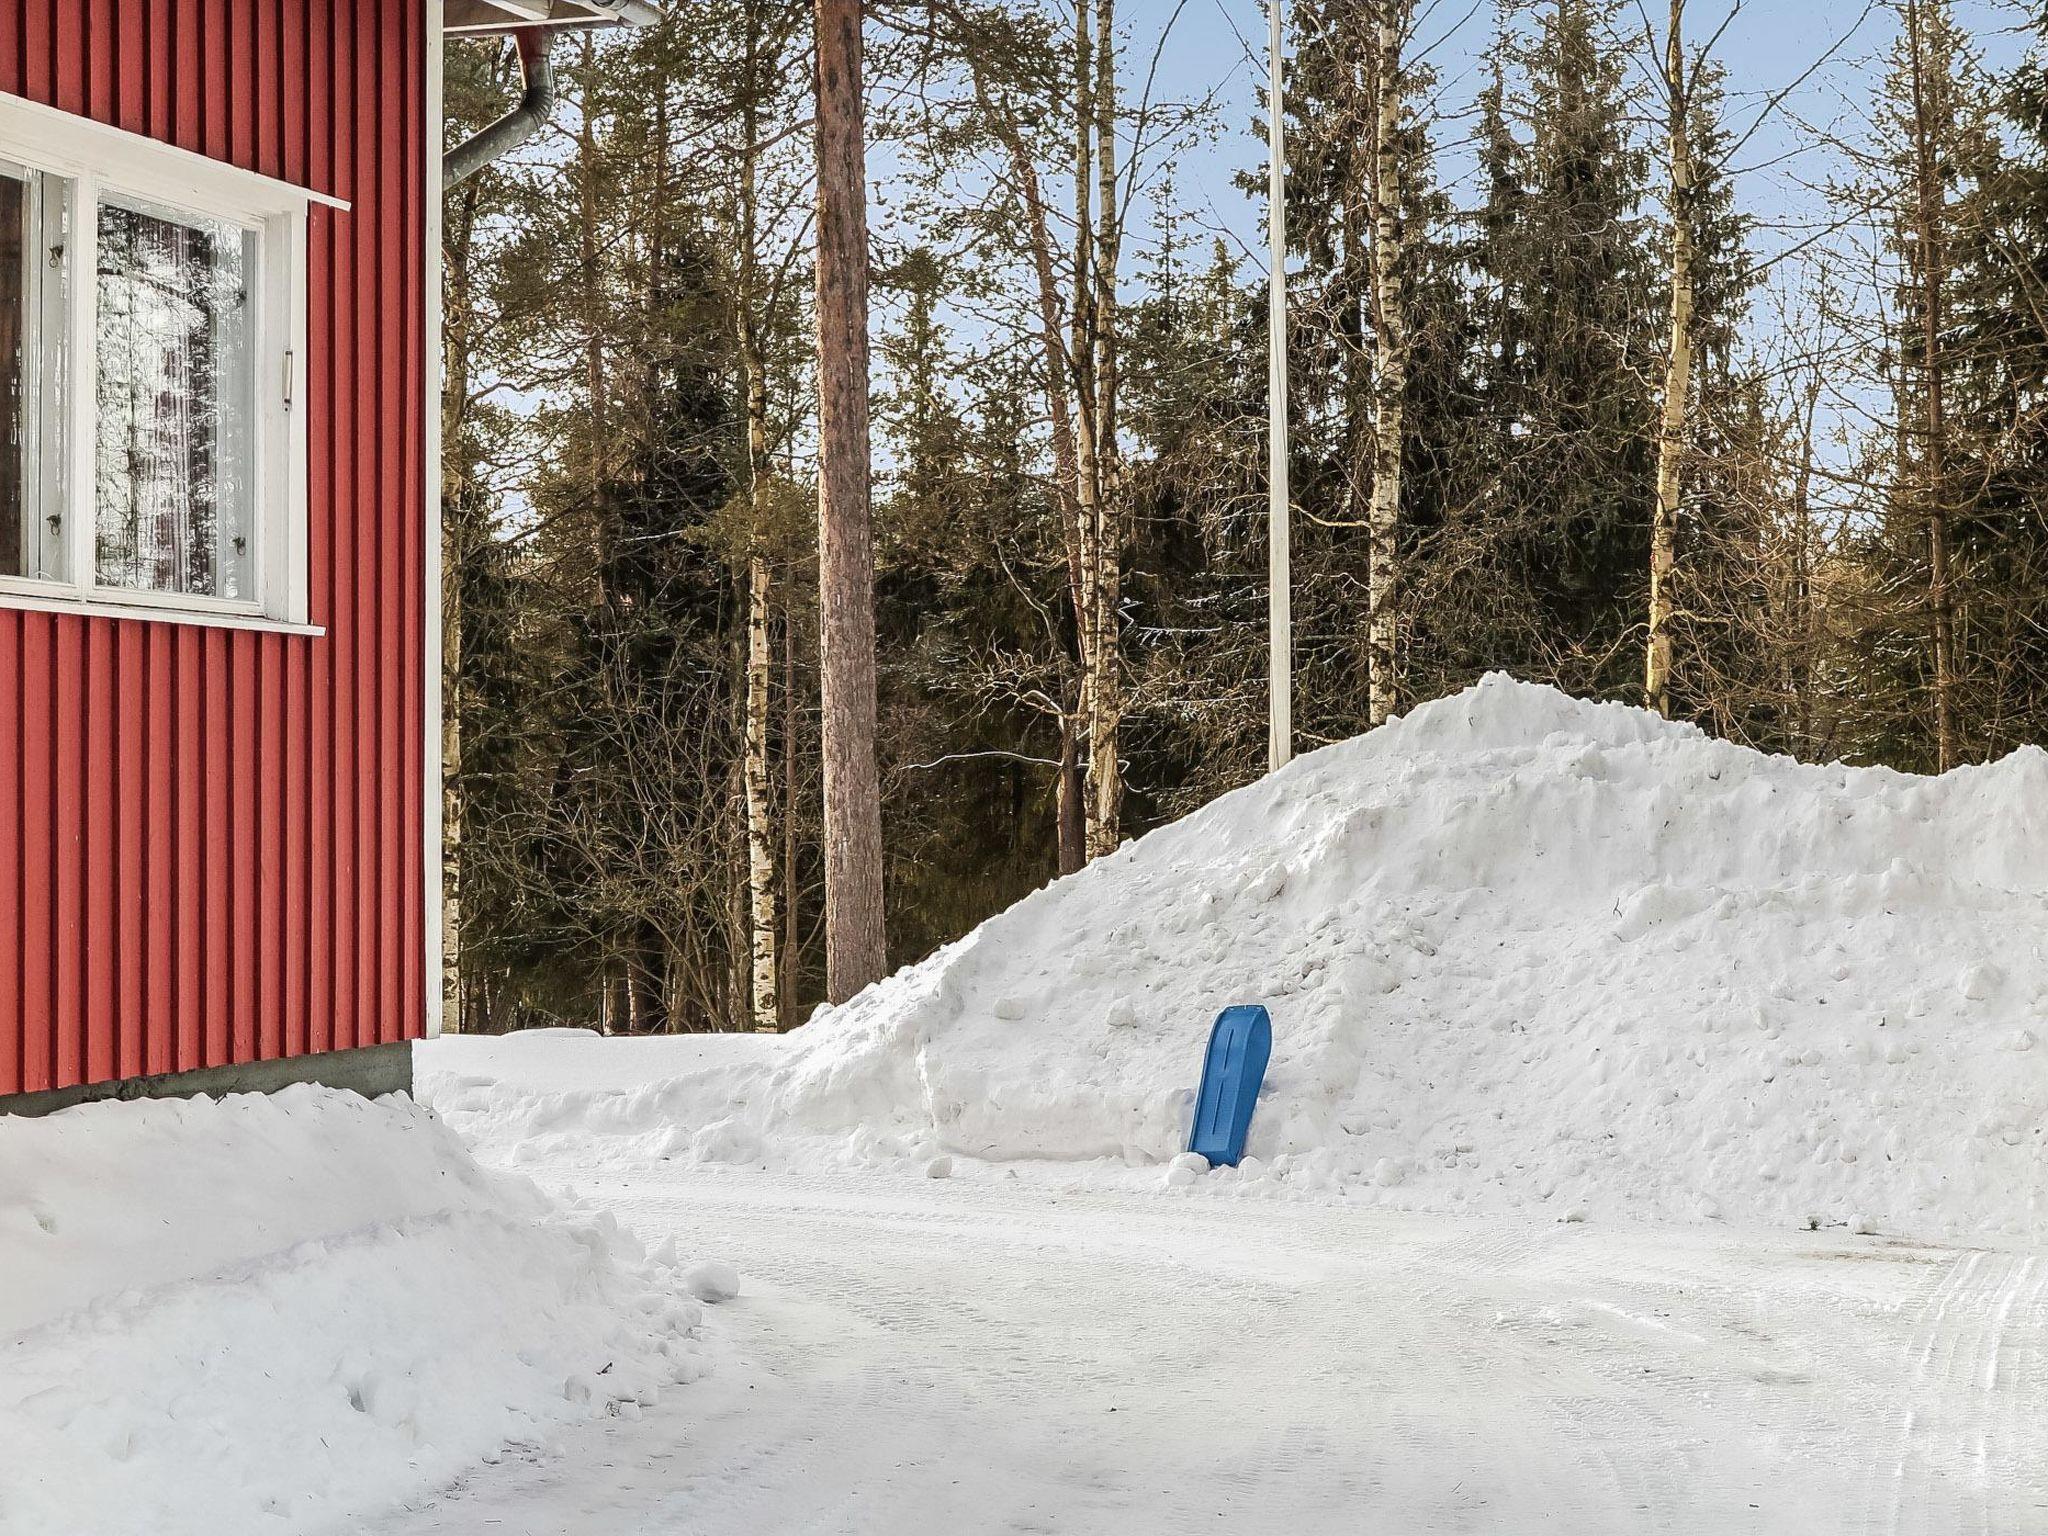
209,839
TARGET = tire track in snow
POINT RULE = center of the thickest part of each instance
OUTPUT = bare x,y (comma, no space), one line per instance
1608,1407
2013,1381
1476,1272
980,1356
1965,1453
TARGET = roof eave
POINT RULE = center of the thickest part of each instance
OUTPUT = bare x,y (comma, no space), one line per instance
484,18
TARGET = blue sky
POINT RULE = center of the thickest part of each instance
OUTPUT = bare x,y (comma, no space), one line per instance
1219,45
1829,53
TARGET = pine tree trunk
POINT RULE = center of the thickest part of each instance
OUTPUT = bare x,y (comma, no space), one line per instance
1390,377
855,942
1671,424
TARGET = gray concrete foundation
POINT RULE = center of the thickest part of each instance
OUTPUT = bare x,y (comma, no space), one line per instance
368,1070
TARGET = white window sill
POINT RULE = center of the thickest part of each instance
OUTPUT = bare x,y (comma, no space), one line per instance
155,613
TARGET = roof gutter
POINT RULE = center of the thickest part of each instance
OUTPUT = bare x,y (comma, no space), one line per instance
483,18
536,106
636,13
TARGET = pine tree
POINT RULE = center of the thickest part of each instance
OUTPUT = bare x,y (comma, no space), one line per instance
750,102
856,939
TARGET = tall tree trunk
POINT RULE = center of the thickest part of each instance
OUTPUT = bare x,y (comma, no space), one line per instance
792,889
1069,795
455,554
587,193
767,1012
1058,365
454,806
1390,377
1082,360
1671,424
856,948
1071,369
646,991
1105,769
1930,213
615,1017
763,1000
1354,324
1069,788
1800,679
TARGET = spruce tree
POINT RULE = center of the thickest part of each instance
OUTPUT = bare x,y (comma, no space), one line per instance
1999,401
1907,606
1338,334
1566,259
1726,675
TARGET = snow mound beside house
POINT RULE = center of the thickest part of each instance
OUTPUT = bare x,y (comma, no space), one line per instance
271,1314
1522,952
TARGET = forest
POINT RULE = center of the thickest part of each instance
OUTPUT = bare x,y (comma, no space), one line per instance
1561,405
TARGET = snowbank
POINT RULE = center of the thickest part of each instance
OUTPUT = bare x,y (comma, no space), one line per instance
268,1314
1521,952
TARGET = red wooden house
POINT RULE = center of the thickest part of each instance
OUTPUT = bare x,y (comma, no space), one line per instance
219,542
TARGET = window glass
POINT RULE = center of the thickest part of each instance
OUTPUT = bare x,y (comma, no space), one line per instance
175,450
17,512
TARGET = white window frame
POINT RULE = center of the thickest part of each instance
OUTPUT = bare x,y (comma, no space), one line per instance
89,159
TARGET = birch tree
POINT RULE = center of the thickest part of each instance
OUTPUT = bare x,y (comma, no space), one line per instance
764,236
1069,409
1927,68
1103,457
1018,78
1508,390
1671,421
1390,355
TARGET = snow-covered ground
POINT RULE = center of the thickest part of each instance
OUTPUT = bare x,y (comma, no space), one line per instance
924,1357
1656,1140
1522,953
269,1315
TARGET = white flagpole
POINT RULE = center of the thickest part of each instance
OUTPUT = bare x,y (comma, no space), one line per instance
1280,604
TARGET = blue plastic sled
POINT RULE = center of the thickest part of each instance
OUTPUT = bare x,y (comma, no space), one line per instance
1239,1047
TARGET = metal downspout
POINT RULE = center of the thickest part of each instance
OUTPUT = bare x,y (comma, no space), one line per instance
536,105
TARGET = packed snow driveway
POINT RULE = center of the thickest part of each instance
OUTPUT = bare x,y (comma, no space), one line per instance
1542,973
985,1354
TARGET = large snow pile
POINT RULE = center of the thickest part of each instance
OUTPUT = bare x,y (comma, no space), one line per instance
1521,951
271,1314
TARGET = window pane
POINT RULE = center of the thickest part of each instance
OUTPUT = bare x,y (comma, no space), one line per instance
175,462
17,527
